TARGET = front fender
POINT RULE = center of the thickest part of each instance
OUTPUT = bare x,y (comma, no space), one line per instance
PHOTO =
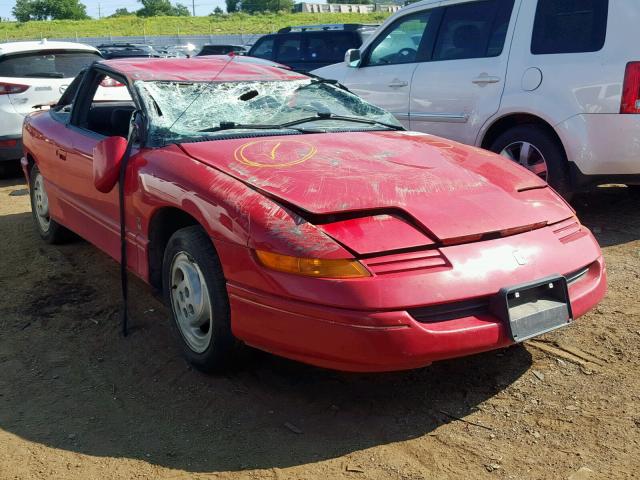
228,209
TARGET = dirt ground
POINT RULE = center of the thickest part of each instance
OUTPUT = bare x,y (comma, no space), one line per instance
79,401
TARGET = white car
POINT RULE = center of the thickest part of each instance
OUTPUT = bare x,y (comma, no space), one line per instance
551,84
34,75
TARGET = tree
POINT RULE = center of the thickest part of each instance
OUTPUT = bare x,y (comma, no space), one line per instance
180,10
356,2
121,12
152,8
155,8
217,11
22,10
254,6
232,5
25,10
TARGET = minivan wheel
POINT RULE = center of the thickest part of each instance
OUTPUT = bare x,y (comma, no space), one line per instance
50,230
533,148
195,290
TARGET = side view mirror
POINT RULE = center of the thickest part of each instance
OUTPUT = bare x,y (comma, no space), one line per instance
107,156
352,57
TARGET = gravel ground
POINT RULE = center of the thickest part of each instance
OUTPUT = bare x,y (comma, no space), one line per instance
79,401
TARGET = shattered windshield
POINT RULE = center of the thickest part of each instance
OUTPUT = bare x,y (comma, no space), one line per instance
187,111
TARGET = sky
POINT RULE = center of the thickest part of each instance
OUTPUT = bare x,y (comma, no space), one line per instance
107,7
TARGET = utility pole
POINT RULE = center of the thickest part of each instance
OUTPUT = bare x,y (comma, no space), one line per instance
99,12
193,7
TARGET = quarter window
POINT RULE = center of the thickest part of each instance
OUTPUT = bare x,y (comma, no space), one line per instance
401,43
569,26
473,30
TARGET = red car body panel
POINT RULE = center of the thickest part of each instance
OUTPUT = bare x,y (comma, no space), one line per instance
435,222
390,171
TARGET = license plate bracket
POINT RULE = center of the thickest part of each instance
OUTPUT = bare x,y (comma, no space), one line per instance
534,308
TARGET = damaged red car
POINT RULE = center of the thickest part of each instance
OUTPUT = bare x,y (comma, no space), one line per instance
283,212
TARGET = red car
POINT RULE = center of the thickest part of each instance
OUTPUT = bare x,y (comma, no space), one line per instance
283,212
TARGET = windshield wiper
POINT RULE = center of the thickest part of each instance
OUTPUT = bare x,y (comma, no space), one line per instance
331,116
293,123
241,126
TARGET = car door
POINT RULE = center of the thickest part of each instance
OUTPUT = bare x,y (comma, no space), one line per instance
455,92
95,215
388,64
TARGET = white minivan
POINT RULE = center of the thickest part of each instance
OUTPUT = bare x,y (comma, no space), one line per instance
551,84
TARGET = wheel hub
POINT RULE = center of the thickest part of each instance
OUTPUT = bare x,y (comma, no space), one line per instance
529,156
190,302
41,201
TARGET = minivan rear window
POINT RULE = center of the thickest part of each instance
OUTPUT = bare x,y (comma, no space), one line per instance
46,64
569,26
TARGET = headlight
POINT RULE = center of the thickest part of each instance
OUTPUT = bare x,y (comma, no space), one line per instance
313,267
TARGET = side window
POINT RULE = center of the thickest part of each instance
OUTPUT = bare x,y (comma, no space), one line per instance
329,47
401,42
473,30
264,48
569,26
289,49
110,109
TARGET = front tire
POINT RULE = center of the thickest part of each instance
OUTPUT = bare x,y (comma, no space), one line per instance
535,149
50,230
195,290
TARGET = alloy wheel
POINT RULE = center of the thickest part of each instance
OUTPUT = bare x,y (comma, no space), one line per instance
529,156
190,302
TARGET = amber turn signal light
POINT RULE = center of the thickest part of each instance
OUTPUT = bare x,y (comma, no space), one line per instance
313,267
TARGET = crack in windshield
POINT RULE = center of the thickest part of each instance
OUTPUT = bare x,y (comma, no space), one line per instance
253,105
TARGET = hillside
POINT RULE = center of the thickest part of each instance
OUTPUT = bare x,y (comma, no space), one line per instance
213,25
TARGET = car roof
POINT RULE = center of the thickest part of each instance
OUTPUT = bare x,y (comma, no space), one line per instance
35,46
200,69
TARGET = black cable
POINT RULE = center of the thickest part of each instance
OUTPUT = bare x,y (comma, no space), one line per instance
123,234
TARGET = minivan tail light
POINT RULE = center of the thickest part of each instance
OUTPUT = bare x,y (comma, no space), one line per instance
631,89
12,88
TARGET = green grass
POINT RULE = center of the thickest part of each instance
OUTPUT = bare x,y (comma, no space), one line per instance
214,25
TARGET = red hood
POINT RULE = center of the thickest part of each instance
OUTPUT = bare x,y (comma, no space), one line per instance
451,189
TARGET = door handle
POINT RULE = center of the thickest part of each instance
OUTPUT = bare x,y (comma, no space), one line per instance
485,79
61,154
398,83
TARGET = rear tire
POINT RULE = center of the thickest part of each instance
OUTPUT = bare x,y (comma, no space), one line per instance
194,288
535,149
50,230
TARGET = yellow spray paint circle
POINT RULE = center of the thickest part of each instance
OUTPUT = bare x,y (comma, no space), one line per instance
274,153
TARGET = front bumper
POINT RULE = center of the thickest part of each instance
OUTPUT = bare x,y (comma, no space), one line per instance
367,341
10,148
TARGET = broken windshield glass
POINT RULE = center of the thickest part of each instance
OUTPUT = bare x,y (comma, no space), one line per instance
185,111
